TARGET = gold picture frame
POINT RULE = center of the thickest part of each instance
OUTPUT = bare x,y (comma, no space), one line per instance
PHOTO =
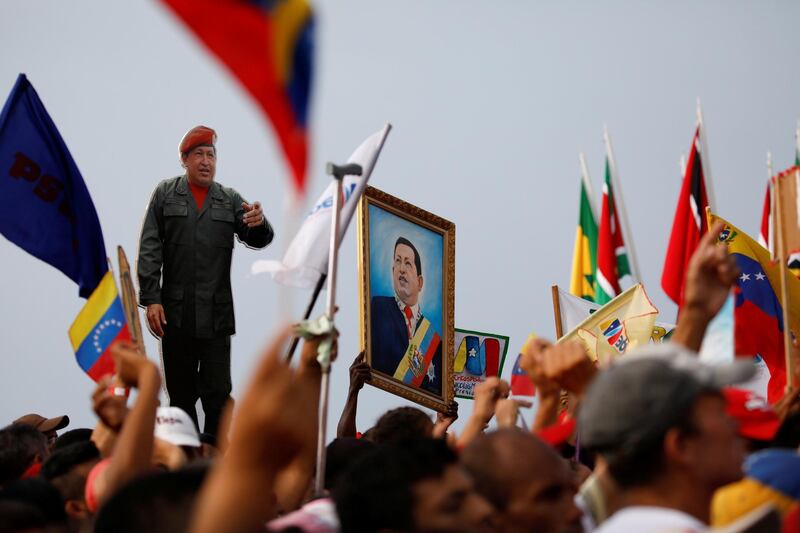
389,230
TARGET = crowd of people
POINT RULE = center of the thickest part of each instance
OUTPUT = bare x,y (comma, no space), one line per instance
656,441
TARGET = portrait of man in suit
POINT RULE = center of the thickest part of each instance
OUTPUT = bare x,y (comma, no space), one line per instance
404,343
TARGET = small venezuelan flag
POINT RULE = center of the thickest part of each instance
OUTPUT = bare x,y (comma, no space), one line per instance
100,323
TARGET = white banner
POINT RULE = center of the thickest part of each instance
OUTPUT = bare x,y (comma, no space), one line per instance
306,259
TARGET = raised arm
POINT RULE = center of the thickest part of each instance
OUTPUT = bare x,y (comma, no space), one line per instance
359,374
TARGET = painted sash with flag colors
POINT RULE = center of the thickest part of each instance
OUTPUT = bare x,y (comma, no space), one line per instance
612,257
99,324
758,314
688,225
268,46
619,326
413,367
584,255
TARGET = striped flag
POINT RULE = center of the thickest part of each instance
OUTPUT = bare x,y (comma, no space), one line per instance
688,225
612,256
758,309
521,384
99,324
584,255
268,46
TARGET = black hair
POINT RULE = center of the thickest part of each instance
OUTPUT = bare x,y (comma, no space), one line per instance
377,492
401,423
39,494
156,503
341,454
71,437
59,469
417,260
19,446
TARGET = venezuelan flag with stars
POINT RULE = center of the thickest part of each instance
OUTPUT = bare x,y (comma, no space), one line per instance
97,327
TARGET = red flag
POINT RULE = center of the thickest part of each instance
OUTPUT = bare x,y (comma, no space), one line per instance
765,235
267,45
688,226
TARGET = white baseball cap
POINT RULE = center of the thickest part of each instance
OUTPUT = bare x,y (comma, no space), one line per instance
174,426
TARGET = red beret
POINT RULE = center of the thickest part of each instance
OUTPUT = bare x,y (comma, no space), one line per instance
198,136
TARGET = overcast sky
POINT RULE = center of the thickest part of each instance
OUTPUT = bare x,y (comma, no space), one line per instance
491,103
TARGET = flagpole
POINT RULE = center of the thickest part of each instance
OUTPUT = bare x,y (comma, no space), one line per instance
129,300
309,309
787,343
557,311
338,172
705,159
620,205
587,183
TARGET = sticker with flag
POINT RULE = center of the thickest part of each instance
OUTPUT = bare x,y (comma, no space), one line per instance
584,255
45,207
758,313
97,327
306,258
521,384
612,256
619,326
478,356
688,225
268,47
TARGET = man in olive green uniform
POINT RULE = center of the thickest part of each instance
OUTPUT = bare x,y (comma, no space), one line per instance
184,275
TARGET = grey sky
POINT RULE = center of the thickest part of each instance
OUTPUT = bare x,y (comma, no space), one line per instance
491,103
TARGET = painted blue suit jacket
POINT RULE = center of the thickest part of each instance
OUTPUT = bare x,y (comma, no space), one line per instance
390,341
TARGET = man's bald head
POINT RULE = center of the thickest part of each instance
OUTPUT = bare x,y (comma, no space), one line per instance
529,484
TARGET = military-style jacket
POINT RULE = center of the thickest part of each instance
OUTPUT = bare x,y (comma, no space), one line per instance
192,250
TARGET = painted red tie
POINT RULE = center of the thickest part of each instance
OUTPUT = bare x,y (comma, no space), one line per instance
409,313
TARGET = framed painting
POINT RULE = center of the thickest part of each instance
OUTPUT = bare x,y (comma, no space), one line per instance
406,264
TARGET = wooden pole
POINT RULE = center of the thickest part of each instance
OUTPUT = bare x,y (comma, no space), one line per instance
781,249
557,312
129,300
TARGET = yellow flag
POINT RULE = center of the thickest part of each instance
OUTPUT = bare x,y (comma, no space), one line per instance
619,326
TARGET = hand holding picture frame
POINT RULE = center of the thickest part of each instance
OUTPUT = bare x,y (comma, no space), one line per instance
406,266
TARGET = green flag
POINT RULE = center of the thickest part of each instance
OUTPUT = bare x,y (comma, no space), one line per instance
584,255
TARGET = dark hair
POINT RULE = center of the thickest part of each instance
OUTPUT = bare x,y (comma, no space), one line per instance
158,502
401,423
377,492
19,446
71,437
20,516
417,260
38,494
59,469
342,454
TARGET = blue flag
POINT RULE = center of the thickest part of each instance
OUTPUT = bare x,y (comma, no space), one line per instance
45,207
